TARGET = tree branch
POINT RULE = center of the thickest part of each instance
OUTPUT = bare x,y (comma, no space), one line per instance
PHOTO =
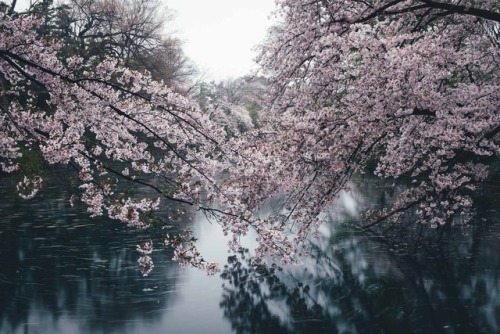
459,9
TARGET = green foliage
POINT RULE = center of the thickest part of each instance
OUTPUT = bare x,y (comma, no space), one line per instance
30,162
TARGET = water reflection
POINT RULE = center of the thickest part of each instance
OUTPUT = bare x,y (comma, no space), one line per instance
62,272
354,283
57,265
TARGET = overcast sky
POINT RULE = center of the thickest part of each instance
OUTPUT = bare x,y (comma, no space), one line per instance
219,35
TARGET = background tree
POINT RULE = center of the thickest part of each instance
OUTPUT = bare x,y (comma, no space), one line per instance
233,103
134,31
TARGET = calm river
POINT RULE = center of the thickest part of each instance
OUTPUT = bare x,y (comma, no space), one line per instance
63,272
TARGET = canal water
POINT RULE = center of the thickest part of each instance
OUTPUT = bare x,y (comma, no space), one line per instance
63,272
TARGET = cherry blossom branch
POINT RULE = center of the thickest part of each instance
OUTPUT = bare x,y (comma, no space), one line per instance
97,80
138,181
390,214
117,110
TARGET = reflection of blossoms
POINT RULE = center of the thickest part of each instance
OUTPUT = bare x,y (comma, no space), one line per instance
145,261
28,188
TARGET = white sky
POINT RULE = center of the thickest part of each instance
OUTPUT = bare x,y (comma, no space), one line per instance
220,35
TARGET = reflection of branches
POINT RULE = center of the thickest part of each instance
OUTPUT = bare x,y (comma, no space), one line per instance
252,296
369,284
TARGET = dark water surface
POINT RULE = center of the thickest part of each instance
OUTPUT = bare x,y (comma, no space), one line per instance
63,272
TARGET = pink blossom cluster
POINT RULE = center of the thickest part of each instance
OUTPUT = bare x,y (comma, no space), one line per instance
413,85
186,253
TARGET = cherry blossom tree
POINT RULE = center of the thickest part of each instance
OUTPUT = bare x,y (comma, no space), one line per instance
111,125
411,85
233,104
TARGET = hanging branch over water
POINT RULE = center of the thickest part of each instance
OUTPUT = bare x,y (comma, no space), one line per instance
412,85
113,125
